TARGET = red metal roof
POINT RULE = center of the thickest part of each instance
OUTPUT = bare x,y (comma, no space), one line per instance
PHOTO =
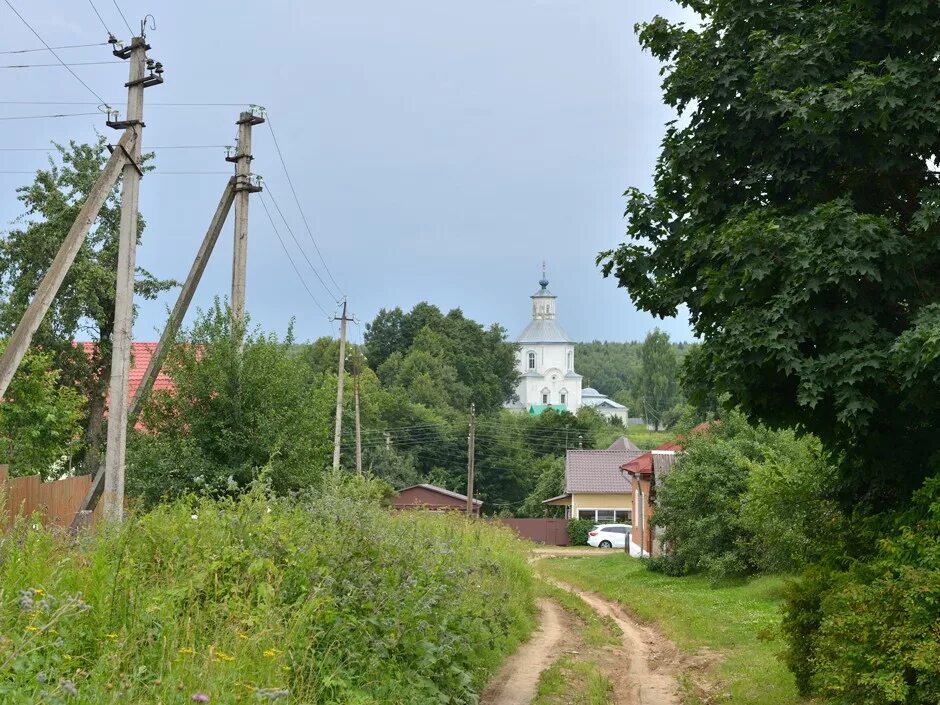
140,358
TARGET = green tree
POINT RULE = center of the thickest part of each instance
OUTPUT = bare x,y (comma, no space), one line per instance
84,305
659,377
795,212
40,418
550,483
241,404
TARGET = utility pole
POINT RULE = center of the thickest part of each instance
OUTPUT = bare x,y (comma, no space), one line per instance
358,425
340,379
243,187
124,289
471,469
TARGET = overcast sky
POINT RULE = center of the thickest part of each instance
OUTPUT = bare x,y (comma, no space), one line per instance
440,150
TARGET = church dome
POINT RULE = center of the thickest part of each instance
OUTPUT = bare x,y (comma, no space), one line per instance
590,392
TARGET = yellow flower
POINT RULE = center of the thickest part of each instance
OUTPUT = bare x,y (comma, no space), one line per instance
286,669
243,636
39,591
187,651
112,636
271,652
222,656
32,628
66,657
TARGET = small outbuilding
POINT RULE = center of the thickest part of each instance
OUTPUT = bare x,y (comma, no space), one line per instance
434,498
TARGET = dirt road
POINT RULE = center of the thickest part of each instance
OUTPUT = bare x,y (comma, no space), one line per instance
517,680
642,668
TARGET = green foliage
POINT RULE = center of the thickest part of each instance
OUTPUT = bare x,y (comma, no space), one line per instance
241,403
84,305
741,500
331,601
550,483
578,531
442,360
659,368
867,635
39,419
795,213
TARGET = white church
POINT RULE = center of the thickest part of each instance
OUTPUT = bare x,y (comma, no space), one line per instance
546,365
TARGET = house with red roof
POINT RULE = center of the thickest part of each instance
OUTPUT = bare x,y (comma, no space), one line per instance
647,472
140,359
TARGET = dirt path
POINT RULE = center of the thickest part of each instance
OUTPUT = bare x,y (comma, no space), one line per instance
640,668
517,680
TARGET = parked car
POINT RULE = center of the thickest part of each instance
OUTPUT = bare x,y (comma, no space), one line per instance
609,535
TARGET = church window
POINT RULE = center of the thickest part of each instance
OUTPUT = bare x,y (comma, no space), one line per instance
545,396
531,360
563,397
570,359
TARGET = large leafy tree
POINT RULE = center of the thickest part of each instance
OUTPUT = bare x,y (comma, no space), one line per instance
796,212
84,306
659,377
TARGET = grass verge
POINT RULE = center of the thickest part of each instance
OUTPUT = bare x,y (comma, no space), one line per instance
598,630
570,681
329,600
739,622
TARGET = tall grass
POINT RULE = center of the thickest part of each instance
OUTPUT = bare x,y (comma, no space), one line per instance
328,601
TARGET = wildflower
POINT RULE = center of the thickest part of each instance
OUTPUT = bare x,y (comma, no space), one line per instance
186,651
41,678
32,628
194,516
68,686
112,636
243,636
222,656
286,669
271,652
200,698
25,600
39,591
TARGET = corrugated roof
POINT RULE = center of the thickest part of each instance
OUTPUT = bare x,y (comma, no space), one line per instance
623,443
543,330
598,471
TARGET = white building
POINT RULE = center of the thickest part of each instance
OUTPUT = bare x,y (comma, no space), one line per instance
604,405
546,360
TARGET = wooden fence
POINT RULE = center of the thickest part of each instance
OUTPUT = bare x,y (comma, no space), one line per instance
553,532
56,502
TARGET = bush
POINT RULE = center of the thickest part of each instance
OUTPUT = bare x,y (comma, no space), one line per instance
868,635
330,600
742,500
578,531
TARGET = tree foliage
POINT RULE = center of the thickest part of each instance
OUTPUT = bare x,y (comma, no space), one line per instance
40,419
741,500
796,212
84,306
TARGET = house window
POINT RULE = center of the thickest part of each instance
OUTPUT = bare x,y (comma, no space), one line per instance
531,360
606,516
589,514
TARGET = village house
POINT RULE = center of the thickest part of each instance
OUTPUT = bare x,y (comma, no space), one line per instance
595,487
434,498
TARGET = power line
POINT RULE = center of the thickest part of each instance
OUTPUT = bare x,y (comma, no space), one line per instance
100,19
302,215
118,8
113,102
289,258
40,117
66,46
296,242
52,51
61,65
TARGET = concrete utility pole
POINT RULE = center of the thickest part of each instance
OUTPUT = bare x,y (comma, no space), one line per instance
340,379
358,424
122,337
471,451
243,187
55,275
183,301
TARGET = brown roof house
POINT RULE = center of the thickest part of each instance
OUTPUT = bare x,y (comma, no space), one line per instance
595,487
434,498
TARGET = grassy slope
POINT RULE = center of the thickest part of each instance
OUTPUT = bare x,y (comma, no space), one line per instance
645,439
694,614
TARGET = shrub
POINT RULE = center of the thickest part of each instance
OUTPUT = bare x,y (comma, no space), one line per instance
329,600
578,531
868,635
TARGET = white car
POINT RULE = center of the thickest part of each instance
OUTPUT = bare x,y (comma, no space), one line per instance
609,535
